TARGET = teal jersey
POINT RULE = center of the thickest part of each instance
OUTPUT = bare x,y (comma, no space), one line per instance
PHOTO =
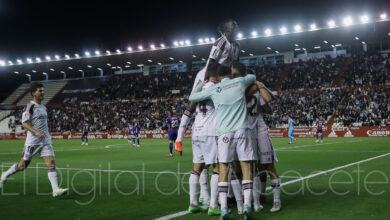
228,97
291,123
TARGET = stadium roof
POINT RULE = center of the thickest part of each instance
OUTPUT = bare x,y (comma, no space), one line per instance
374,34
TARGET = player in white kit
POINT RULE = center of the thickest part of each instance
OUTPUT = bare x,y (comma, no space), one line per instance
38,140
257,99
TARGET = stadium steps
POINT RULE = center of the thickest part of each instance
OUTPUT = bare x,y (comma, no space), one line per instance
281,78
4,126
51,90
344,67
18,94
4,114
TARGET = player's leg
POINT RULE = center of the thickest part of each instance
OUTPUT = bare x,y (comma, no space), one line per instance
322,137
275,184
194,187
204,196
82,139
263,181
170,138
134,139
138,144
223,188
235,176
256,187
290,136
52,175
86,138
185,119
213,208
17,167
317,137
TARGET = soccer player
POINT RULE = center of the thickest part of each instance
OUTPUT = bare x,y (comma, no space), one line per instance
319,124
204,151
291,129
136,130
84,133
172,124
258,97
34,119
129,132
232,130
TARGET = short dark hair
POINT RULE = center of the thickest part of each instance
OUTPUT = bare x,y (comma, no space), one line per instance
222,25
223,70
34,87
241,68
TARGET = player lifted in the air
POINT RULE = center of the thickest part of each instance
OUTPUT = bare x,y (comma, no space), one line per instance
319,125
84,132
136,130
172,124
291,129
233,132
34,119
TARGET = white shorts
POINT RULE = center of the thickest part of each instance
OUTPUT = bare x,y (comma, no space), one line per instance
265,150
204,149
236,143
253,136
44,150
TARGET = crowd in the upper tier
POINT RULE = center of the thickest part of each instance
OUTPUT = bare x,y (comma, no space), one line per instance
150,99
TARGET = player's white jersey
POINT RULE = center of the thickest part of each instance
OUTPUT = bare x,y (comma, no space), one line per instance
36,115
205,119
255,116
223,52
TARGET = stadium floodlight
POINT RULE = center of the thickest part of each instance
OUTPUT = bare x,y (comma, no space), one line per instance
127,66
364,18
162,45
99,69
268,32
129,49
108,64
140,47
304,49
176,43
2,63
52,70
317,47
128,62
171,58
10,62
16,72
180,61
38,59
34,71
48,58
251,54
29,60
276,51
181,43
70,67
383,16
114,67
19,61
297,28
203,59
118,51
332,46
296,45
140,65
239,36
77,55
44,73
108,52
326,42
212,39
313,27
87,54
188,42
62,72
331,24
283,30
200,40
356,38
152,46
363,42
347,21
269,48
389,33
150,61
254,33
97,53
81,70
297,49
207,39
89,66
57,57
338,45
194,56
67,56
159,64
242,51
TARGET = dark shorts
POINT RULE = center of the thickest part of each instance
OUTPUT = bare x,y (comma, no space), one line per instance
172,135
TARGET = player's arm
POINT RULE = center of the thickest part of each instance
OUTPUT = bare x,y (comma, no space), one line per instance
197,95
250,91
28,126
264,93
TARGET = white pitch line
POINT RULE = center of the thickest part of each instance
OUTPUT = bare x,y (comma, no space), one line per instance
339,151
311,145
290,182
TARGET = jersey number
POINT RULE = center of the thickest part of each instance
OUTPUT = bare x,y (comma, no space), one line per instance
203,108
175,123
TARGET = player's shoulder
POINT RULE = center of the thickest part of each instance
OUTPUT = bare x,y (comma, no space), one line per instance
29,107
221,42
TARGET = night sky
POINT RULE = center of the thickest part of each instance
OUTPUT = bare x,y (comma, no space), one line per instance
38,28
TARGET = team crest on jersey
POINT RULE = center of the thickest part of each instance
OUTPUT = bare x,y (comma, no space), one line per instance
219,89
225,140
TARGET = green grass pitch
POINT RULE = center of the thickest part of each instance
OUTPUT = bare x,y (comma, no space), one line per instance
125,182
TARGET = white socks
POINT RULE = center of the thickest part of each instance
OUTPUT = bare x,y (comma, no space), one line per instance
194,187
214,190
236,188
247,187
13,169
185,119
256,191
52,174
204,186
222,189
275,184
